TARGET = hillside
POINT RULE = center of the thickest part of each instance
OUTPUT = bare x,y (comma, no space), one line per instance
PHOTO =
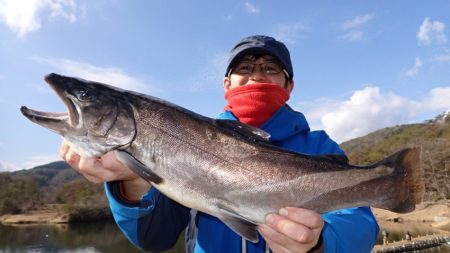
55,183
432,136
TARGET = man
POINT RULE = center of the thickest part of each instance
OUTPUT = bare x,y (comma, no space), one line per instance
257,83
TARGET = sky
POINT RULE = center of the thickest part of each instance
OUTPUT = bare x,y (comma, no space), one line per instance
358,65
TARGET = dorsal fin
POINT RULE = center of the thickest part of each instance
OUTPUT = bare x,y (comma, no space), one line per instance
341,159
243,130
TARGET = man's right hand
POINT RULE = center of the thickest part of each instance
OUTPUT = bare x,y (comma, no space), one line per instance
106,169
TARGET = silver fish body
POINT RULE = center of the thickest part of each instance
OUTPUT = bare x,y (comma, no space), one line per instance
220,167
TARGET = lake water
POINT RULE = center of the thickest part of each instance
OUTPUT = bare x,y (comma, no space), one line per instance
101,237
98,237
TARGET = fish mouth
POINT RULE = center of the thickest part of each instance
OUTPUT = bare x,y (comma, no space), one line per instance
56,120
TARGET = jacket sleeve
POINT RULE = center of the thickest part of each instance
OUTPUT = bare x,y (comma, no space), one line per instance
346,230
153,224
350,230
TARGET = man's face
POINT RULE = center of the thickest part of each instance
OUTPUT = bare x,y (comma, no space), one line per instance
261,69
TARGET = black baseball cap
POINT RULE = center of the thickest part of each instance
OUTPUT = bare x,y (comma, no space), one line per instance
261,44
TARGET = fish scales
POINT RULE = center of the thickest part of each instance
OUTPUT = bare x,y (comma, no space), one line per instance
224,168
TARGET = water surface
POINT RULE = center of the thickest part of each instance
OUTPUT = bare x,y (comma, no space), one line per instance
99,237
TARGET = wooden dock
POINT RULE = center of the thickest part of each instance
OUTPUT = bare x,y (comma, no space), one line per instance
418,243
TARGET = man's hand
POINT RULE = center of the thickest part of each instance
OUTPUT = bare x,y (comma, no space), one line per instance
105,169
293,230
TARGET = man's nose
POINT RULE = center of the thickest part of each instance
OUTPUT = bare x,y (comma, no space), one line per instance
258,71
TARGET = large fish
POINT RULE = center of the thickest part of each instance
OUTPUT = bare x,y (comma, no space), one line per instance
221,167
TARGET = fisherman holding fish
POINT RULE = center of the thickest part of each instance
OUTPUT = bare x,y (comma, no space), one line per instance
258,81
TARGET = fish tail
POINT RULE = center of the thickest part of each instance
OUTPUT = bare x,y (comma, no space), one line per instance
405,185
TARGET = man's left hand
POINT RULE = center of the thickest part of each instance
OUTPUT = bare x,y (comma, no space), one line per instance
292,230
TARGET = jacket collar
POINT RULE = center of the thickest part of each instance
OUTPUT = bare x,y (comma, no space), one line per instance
285,123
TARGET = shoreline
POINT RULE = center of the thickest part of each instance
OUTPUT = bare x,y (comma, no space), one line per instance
51,214
435,216
429,221
47,214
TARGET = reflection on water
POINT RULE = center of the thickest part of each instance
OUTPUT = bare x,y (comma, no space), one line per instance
105,237
99,237
441,249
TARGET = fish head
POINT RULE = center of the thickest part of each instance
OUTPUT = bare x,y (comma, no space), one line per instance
99,116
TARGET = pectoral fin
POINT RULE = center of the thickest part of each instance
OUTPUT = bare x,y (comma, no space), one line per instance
239,224
137,167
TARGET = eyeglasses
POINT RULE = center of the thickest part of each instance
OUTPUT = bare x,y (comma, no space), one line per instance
246,68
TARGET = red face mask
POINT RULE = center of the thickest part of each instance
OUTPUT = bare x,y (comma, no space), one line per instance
254,104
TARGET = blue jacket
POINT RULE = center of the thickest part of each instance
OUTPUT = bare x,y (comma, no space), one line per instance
156,222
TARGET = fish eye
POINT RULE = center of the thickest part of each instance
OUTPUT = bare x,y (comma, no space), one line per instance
85,95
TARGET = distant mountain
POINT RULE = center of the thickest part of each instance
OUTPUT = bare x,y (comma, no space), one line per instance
432,136
53,183
53,174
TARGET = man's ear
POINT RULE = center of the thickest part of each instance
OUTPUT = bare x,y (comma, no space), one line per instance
290,86
226,83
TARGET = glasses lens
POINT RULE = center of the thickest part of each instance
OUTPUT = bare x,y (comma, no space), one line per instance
268,68
244,68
